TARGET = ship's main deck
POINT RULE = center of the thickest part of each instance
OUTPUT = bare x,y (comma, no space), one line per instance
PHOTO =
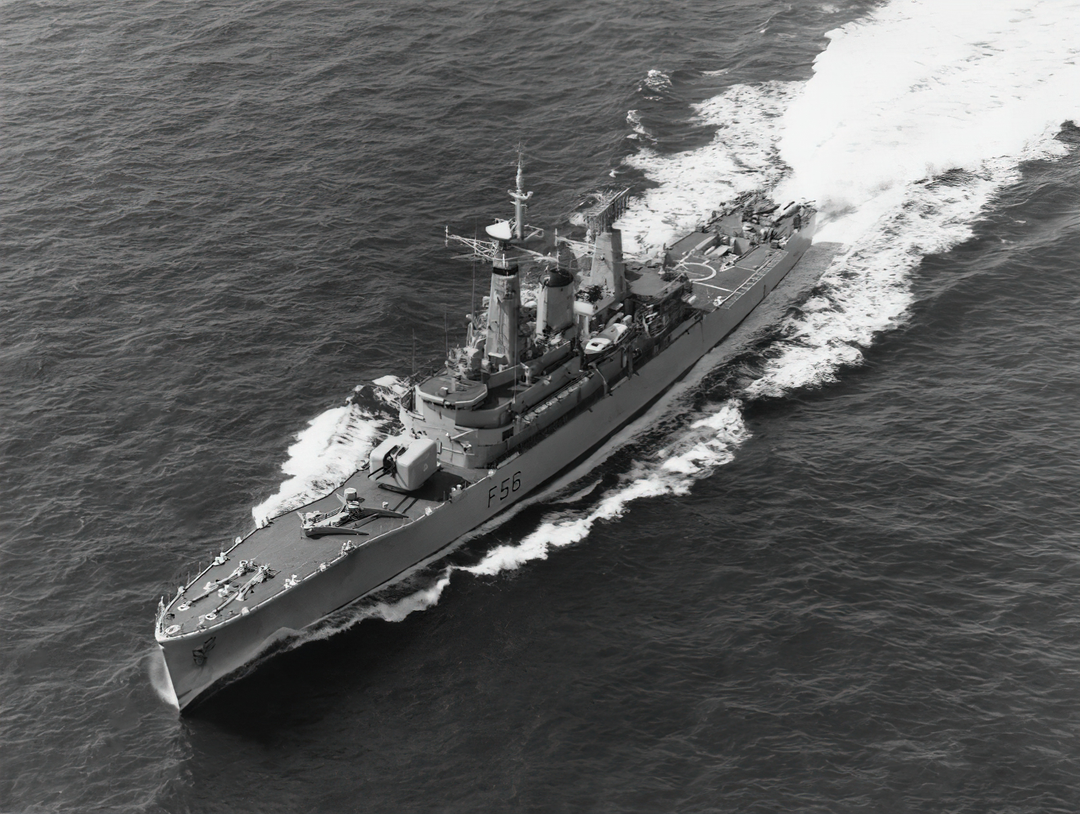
282,546
714,277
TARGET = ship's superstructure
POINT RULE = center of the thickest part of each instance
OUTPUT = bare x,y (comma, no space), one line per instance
532,390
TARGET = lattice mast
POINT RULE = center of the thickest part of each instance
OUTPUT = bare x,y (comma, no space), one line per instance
607,269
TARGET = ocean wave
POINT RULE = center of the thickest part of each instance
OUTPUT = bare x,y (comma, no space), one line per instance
655,85
641,133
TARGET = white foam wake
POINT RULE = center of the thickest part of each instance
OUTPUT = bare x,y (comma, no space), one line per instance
633,118
388,610
921,87
325,453
915,118
655,84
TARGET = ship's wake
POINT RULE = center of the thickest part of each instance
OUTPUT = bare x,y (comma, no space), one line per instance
915,118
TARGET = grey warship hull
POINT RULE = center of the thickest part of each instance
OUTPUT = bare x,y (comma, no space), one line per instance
286,576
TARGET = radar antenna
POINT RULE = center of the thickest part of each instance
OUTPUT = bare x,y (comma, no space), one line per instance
580,248
494,251
600,216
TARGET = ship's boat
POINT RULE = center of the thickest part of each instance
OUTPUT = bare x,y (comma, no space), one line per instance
530,392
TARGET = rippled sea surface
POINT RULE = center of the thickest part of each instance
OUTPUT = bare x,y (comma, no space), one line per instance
838,571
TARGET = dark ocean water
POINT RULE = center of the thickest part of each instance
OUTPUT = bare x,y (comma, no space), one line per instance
837,573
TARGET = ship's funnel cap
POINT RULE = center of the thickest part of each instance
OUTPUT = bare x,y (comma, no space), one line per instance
556,278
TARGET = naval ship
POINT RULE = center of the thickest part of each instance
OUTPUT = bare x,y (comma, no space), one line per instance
534,389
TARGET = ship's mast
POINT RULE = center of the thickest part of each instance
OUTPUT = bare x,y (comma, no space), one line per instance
520,196
507,236
607,268
503,251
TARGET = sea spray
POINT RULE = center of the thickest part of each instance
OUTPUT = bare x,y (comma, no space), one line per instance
406,602
919,88
160,680
914,119
325,453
